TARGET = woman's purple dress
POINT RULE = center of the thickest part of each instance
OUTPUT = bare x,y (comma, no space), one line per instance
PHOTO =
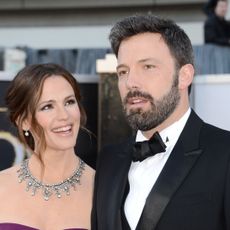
14,226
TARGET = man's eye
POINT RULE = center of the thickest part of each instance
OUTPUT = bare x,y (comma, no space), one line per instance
149,66
71,102
122,73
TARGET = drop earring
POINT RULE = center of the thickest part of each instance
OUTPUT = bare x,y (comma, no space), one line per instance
27,133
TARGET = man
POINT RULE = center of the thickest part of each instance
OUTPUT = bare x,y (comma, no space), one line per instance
186,184
216,27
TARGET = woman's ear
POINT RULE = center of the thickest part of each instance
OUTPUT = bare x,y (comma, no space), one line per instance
186,75
26,125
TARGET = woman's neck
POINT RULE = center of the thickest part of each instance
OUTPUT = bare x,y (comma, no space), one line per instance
55,165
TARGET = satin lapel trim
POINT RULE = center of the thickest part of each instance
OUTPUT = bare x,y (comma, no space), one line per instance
167,183
177,167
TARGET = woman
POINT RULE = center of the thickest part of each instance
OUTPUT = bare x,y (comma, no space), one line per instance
53,188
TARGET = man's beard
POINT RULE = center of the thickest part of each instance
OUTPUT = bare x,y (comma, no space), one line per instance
160,109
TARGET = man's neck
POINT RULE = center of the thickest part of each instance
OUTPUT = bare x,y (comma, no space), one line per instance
168,122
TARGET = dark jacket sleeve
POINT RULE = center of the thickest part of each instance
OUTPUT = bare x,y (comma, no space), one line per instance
94,224
86,147
227,198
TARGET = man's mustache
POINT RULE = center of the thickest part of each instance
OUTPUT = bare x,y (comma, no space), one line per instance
132,94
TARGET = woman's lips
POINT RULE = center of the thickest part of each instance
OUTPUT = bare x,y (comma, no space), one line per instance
63,129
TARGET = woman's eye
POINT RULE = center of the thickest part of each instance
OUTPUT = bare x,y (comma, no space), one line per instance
46,107
71,102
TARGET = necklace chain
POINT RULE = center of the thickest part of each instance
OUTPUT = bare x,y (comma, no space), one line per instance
33,185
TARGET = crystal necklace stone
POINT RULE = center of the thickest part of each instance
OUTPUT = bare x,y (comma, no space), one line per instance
33,185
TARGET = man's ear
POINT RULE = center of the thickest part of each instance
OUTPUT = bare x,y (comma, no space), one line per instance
186,75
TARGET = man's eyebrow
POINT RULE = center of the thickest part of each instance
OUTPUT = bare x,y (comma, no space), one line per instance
147,59
139,61
120,66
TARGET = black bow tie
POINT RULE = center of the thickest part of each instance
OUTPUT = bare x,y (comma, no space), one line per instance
145,149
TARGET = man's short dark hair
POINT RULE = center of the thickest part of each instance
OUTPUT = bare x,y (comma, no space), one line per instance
176,39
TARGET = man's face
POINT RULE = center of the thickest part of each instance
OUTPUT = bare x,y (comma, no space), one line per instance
147,80
221,9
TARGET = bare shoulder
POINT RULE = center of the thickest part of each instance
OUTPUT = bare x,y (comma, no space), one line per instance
89,170
8,178
8,173
88,176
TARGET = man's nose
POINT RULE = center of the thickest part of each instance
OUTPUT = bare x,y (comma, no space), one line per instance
133,80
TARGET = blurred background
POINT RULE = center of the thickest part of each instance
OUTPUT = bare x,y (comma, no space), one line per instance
46,24
74,33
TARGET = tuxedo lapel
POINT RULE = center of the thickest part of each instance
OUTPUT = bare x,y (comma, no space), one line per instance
125,224
180,162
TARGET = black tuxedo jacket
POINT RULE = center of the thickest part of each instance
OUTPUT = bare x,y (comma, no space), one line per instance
192,191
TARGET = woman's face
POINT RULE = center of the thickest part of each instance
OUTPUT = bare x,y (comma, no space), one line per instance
58,114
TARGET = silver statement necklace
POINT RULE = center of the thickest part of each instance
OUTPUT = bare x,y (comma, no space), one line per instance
33,185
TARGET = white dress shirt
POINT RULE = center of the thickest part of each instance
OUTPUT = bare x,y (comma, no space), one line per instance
143,175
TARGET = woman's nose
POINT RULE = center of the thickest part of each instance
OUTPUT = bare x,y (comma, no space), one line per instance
62,113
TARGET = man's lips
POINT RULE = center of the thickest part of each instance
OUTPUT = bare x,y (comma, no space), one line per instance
136,100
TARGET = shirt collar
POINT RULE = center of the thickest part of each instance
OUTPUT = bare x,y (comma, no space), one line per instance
171,133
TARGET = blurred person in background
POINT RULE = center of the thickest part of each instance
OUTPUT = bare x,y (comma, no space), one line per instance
216,27
52,189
